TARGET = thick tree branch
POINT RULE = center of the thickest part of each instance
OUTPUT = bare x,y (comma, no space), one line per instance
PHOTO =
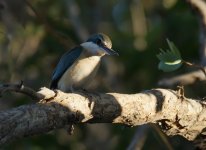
174,113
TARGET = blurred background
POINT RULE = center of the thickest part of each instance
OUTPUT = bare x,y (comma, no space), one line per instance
35,33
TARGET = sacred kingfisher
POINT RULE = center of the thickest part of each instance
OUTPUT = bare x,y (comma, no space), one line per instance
77,67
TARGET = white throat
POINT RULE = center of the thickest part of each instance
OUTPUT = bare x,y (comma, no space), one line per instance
93,48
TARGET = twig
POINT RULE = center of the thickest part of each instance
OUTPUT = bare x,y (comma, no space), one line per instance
139,139
162,137
20,88
195,65
183,79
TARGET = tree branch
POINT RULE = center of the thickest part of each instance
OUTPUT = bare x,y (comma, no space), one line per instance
183,79
200,7
174,113
188,78
20,88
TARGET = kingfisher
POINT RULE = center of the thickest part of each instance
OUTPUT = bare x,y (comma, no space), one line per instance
77,67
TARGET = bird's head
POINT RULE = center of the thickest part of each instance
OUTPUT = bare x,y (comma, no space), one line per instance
99,44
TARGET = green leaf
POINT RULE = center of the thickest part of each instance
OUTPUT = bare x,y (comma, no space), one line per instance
168,67
170,60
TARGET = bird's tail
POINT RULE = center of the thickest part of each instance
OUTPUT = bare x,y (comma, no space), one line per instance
53,85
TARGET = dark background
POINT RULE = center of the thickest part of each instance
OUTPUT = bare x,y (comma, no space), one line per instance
34,35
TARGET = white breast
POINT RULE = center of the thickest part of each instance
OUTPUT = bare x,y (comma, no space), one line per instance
80,74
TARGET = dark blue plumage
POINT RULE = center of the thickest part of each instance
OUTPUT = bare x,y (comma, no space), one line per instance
65,62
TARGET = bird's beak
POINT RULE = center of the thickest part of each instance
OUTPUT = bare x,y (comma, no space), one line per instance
109,51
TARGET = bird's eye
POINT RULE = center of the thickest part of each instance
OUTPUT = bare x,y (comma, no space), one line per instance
98,41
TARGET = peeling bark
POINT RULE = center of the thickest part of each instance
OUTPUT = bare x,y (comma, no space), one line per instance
175,114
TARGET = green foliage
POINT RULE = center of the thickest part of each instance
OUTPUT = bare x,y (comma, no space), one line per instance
170,60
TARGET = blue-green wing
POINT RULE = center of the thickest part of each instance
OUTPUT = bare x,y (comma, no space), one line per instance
65,62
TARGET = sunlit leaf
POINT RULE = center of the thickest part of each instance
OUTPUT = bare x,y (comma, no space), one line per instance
166,67
170,60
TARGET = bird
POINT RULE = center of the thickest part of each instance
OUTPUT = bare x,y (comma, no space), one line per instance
77,67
